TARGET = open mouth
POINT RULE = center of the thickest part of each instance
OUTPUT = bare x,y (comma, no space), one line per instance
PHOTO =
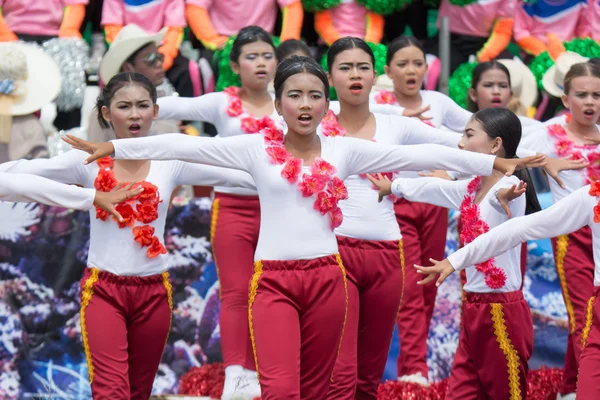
305,119
496,101
261,74
134,129
411,83
356,87
588,113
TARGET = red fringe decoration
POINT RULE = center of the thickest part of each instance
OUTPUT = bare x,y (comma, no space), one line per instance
207,380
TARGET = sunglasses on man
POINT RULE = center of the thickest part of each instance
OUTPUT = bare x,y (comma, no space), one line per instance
152,58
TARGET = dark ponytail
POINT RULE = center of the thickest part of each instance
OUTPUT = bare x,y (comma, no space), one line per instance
503,123
117,82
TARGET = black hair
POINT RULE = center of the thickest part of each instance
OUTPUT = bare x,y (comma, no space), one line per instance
503,123
347,43
117,82
289,47
401,42
580,69
247,35
297,65
476,78
595,61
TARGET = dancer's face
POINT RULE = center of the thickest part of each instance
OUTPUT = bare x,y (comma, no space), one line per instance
583,99
131,111
256,65
407,70
492,90
477,140
353,76
303,103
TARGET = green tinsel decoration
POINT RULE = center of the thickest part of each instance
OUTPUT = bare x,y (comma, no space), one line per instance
227,77
462,3
539,65
384,7
319,5
460,82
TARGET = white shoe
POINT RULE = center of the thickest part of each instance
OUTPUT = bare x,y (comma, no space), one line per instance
417,378
568,396
241,385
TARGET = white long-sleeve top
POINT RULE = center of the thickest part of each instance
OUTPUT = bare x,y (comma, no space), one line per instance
364,217
543,142
450,194
290,227
113,249
568,215
212,108
30,188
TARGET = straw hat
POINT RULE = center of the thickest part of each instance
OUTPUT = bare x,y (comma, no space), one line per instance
29,78
130,39
522,81
553,79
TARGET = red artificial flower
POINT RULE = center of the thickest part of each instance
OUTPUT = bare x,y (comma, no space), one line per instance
562,146
385,97
232,91
105,162
311,184
278,154
595,188
473,186
105,181
556,131
156,248
495,278
250,125
597,213
592,174
273,136
330,116
469,213
150,192
594,158
485,266
127,213
291,170
336,217
392,197
337,188
577,155
266,122
143,235
147,211
322,167
428,122
101,214
325,202
332,128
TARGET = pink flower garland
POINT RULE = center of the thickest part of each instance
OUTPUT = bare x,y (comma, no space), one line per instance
249,123
321,182
564,146
473,226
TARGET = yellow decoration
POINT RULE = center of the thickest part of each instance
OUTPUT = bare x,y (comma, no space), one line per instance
338,258
512,358
258,270
401,247
562,244
213,228
86,296
589,316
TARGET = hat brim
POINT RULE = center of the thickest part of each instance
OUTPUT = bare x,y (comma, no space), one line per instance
528,93
383,82
549,82
43,80
118,53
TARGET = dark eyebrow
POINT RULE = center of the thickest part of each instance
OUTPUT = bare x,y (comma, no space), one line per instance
469,129
351,64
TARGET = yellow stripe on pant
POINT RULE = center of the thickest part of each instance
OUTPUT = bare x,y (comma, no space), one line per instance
86,297
512,358
258,270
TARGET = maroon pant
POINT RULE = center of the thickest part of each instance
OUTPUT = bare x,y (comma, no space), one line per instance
495,344
588,386
297,312
424,229
573,255
375,273
235,222
125,321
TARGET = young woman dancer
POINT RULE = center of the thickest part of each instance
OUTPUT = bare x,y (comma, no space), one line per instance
493,351
575,211
369,239
27,188
297,291
125,291
573,253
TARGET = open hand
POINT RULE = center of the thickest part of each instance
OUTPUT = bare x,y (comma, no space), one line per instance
555,165
383,183
97,150
107,200
506,195
509,165
418,113
444,268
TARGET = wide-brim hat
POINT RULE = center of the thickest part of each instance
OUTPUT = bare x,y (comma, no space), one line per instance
39,86
129,40
522,81
383,82
554,78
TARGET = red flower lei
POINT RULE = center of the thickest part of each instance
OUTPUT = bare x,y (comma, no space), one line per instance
145,211
321,182
250,124
595,191
473,226
564,146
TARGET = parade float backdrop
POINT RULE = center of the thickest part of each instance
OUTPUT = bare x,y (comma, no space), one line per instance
42,256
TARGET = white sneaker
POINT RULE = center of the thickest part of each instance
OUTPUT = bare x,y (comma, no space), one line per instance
240,386
568,396
417,378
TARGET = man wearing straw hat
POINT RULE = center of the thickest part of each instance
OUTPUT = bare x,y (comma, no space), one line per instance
29,79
